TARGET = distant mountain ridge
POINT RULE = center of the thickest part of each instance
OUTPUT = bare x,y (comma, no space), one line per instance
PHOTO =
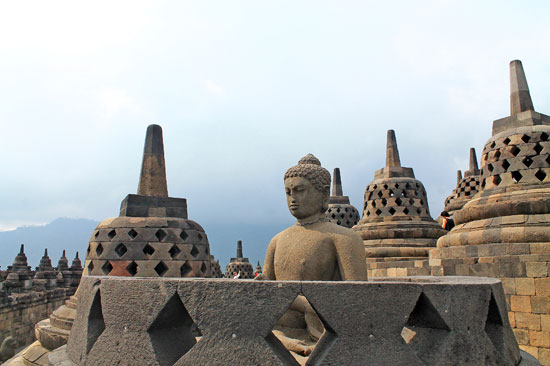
61,234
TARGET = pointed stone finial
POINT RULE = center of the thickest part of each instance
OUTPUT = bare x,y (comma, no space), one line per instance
63,253
152,181
22,249
46,252
520,99
76,257
239,249
458,176
473,160
337,183
392,154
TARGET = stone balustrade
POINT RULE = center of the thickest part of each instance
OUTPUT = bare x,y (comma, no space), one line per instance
397,321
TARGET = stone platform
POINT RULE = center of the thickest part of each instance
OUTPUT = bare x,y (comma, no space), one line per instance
397,321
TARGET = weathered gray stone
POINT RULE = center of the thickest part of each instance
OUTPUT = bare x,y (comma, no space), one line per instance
414,321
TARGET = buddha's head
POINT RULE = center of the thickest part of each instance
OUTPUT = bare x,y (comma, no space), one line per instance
307,187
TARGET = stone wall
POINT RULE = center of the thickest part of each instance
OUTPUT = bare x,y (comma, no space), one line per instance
21,311
523,269
402,321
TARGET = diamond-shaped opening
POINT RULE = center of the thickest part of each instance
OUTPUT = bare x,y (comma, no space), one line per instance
380,194
540,175
405,194
378,212
406,211
194,251
96,324
497,154
132,268
497,180
199,235
174,251
171,332
525,138
132,234
527,161
88,250
185,269
398,201
373,203
516,176
161,268
515,150
96,234
91,266
483,183
121,249
385,186
490,167
160,234
148,250
396,185
505,164
183,235
544,136
337,210
384,201
547,159
419,211
368,213
506,141
301,335
107,267
333,216
425,331
99,249
204,268
374,187
494,325
538,148
492,145
391,193
111,234
391,210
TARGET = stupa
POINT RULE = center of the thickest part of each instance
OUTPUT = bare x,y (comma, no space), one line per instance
239,264
153,236
466,187
396,227
504,230
340,211
216,270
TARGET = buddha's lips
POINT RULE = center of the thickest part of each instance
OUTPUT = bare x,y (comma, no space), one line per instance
294,206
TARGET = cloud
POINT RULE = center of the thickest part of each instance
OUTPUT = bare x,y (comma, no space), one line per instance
215,88
115,101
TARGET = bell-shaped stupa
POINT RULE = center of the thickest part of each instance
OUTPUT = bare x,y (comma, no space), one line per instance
466,187
504,231
153,236
340,211
396,227
240,264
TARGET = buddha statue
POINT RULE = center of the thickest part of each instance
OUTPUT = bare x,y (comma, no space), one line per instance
314,249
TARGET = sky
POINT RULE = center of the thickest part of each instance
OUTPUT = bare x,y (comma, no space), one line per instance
243,90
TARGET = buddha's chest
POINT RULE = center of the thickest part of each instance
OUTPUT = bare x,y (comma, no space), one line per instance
308,256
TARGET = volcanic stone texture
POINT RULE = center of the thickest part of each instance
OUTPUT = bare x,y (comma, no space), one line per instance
504,231
396,227
413,321
148,247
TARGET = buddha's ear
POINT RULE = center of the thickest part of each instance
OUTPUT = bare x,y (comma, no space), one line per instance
325,199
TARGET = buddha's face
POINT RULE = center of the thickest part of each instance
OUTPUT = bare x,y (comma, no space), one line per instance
303,199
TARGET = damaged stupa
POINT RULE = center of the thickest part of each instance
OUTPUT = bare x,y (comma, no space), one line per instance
466,187
396,227
504,230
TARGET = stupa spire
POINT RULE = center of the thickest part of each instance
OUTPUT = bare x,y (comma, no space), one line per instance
458,176
392,154
337,183
473,160
152,180
239,249
520,99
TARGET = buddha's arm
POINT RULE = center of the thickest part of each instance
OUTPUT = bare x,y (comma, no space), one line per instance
351,257
269,265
